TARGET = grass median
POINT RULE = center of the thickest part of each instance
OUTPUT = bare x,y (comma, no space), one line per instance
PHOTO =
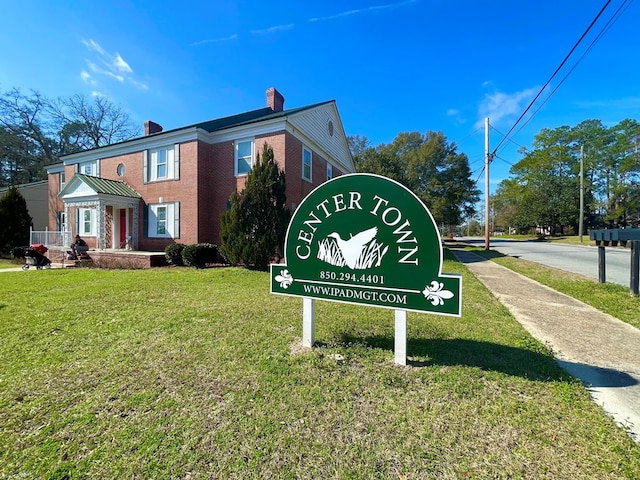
183,373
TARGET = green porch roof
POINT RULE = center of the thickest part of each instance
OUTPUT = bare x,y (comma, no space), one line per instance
108,187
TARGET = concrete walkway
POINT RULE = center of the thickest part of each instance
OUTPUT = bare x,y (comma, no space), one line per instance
598,349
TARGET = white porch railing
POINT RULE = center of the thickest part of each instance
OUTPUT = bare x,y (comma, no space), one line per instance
50,238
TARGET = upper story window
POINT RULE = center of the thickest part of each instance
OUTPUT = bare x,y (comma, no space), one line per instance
89,168
162,164
63,180
306,163
243,160
329,171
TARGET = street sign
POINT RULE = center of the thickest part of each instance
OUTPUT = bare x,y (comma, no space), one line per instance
366,239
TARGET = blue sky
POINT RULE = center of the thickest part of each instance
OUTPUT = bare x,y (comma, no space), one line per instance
391,65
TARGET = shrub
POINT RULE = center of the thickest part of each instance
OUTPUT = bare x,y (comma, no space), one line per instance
110,264
199,255
15,220
17,252
173,254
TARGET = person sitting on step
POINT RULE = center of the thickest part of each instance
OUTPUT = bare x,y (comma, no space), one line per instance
79,247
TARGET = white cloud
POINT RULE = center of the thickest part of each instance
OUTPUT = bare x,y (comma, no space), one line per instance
214,40
140,85
507,107
105,64
120,64
456,115
277,28
337,15
362,10
86,78
94,46
289,26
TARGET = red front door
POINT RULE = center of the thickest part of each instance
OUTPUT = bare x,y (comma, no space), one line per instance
123,228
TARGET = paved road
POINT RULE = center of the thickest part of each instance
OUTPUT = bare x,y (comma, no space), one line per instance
582,259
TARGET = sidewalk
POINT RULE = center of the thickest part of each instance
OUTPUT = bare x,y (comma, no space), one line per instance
598,349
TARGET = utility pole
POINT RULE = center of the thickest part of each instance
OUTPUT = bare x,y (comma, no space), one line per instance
581,220
487,161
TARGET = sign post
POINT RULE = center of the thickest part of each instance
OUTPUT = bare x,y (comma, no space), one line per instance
308,321
400,339
365,239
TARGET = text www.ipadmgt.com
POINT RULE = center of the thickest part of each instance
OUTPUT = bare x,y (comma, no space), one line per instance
348,293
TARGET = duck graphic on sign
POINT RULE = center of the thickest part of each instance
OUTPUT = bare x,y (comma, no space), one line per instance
366,239
359,252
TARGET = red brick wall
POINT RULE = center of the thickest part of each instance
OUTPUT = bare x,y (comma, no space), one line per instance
217,184
206,182
183,190
297,187
218,181
54,204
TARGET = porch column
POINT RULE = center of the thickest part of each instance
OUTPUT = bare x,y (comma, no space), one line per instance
135,232
66,240
102,222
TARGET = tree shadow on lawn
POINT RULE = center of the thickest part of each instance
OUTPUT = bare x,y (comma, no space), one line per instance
518,362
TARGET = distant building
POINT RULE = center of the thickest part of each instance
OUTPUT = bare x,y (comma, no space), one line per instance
36,197
172,186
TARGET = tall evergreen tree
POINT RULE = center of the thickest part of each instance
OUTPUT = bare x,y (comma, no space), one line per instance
254,227
15,221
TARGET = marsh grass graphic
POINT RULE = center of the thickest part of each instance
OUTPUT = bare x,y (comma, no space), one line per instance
335,251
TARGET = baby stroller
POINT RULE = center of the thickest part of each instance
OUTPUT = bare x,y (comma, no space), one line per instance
34,256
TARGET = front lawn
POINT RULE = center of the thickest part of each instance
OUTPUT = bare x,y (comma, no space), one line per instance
195,374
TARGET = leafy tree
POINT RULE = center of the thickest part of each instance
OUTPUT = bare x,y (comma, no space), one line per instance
253,229
429,166
15,221
544,189
35,131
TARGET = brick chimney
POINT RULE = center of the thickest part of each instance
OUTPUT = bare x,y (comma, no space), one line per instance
275,100
151,127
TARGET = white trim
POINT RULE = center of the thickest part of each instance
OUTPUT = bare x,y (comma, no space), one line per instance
285,123
94,167
252,141
170,220
251,130
137,145
92,222
169,163
261,127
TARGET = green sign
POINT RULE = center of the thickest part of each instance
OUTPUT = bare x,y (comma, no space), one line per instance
366,239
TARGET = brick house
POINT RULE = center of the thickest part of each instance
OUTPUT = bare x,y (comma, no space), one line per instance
167,186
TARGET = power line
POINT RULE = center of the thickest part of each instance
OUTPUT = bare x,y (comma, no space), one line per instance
593,22
608,25
504,160
475,184
508,138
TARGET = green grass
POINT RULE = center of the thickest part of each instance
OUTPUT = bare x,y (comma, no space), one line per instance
616,300
10,263
183,373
